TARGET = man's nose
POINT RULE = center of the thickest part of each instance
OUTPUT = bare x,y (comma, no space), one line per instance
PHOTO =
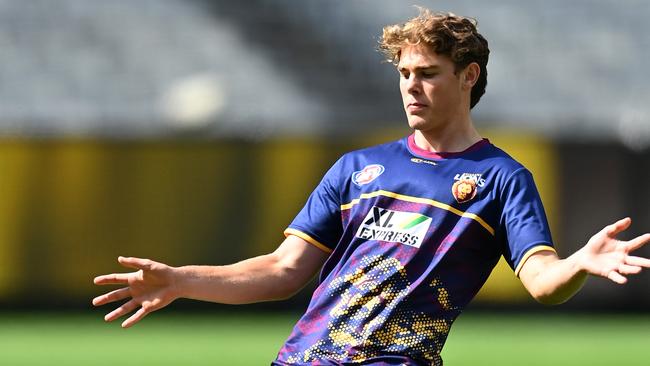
413,84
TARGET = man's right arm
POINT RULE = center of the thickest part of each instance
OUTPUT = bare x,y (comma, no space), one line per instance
274,276
154,285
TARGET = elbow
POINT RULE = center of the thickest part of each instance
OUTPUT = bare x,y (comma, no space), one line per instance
289,277
549,298
274,289
284,290
550,294
285,294
287,282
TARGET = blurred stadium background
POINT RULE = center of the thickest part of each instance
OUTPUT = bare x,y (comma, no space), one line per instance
192,131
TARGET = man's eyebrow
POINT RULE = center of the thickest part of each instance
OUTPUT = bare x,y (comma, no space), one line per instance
417,68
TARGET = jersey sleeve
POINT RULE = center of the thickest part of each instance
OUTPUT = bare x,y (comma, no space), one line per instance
319,221
524,220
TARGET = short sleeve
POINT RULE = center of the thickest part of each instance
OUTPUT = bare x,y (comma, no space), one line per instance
319,221
523,219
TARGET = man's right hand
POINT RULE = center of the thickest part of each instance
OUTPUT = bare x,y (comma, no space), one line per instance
150,288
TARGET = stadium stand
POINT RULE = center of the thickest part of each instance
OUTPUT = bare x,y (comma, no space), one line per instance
276,67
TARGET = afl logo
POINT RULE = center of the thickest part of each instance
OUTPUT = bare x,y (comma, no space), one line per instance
464,190
367,174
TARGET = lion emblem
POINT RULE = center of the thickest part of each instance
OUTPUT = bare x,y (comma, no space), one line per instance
464,190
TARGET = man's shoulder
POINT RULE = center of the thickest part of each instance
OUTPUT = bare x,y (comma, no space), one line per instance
501,159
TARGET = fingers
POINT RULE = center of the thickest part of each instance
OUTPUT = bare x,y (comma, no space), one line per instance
638,242
637,261
123,278
632,265
617,227
135,263
616,277
625,269
147,307
116,295
121,311
112,279
136,317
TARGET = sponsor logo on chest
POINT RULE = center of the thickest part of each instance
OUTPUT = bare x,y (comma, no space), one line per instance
407,228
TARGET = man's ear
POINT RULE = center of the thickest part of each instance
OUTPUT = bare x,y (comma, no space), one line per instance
470,74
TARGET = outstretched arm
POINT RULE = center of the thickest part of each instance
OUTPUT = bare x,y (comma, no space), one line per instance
154,285
551,280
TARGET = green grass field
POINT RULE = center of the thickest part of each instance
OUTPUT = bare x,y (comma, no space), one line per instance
173,338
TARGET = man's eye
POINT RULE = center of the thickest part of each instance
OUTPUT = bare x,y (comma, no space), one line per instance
404,75
428,75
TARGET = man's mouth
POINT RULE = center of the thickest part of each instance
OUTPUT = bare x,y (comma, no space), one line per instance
415,107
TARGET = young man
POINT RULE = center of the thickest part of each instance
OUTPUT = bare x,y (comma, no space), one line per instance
405,233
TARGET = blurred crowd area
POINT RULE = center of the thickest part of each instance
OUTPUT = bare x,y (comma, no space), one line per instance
193,131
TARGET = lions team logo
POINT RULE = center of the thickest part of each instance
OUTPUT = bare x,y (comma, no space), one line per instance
466,186
367,174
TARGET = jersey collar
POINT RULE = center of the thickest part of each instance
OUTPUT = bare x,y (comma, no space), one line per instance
415,150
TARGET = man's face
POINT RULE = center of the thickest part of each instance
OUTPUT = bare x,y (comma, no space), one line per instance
431,90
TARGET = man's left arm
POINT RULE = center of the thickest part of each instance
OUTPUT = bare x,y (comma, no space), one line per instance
551,280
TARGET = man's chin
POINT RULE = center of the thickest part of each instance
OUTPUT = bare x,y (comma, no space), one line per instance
417,123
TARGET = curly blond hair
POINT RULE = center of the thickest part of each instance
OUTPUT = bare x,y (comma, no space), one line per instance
447,34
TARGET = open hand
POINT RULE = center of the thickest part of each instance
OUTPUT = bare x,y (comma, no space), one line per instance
606,256
150,288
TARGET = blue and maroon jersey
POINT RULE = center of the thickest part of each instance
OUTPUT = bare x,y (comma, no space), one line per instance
412,237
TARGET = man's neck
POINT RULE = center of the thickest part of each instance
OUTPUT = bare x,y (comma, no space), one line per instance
456,138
